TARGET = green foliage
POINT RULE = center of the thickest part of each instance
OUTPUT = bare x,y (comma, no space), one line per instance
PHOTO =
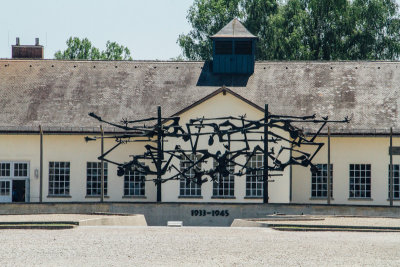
300,29
115,51
78,49
207,18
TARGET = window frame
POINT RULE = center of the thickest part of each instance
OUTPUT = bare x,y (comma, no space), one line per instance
92,189
189,188
323,177
357,171
133,177
396,176
226,184
254,185
12,170
66,181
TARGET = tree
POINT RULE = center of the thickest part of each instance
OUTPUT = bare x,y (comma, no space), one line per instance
115,51
78,49
207,17
300,29
82,49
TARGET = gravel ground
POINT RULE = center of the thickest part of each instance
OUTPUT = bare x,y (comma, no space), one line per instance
347,221
195,246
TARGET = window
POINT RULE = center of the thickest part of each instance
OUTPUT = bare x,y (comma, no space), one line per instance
224,186
5,169
59,177
134,183
360,180
223,47
396,181
254,178
4,188
319,181
93,178
243,48
20,169
189,187
14,169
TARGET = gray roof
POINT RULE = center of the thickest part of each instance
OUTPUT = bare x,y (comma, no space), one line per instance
59,94
234,29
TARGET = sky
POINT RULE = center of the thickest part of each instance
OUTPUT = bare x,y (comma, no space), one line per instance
149,28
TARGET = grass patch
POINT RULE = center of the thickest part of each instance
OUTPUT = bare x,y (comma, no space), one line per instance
43,226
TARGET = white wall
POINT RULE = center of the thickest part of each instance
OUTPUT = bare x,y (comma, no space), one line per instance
23,148
346,151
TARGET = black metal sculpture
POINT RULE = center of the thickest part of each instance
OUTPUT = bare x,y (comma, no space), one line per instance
253,135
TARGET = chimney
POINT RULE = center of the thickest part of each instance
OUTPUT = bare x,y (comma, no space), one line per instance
27,51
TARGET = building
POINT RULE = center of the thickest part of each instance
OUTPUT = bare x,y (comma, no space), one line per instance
44,107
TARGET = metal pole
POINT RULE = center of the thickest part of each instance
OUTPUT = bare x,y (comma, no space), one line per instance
329,168
290,175
265,158
102,164
41,166
391,168
159,154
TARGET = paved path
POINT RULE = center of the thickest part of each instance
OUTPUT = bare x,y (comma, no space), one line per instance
195,246
338,220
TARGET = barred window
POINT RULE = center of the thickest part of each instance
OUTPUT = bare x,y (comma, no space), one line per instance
188,187
134,183
225,185
93,178
319,181
59,178
360,180
254,178
396,181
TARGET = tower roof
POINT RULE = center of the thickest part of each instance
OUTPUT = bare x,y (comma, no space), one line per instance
234,29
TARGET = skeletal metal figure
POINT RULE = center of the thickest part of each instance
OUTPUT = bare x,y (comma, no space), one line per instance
274,129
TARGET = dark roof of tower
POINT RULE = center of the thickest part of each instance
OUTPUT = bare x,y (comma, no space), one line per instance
234,29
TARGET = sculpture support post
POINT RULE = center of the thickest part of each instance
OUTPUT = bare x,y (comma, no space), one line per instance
159,154
41,165
391,168
328,197
102,164
265,158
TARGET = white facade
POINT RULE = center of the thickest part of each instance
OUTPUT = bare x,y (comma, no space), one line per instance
72,149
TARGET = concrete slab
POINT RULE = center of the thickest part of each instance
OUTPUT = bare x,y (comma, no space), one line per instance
334,222
76,219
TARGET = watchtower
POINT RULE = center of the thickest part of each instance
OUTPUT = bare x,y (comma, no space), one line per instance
233,49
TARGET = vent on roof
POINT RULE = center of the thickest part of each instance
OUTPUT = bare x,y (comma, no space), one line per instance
27,51
234,49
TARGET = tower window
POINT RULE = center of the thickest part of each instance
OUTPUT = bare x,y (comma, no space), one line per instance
223,48
243,48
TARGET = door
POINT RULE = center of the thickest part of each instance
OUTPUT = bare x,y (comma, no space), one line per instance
18,191
14,181
5,191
